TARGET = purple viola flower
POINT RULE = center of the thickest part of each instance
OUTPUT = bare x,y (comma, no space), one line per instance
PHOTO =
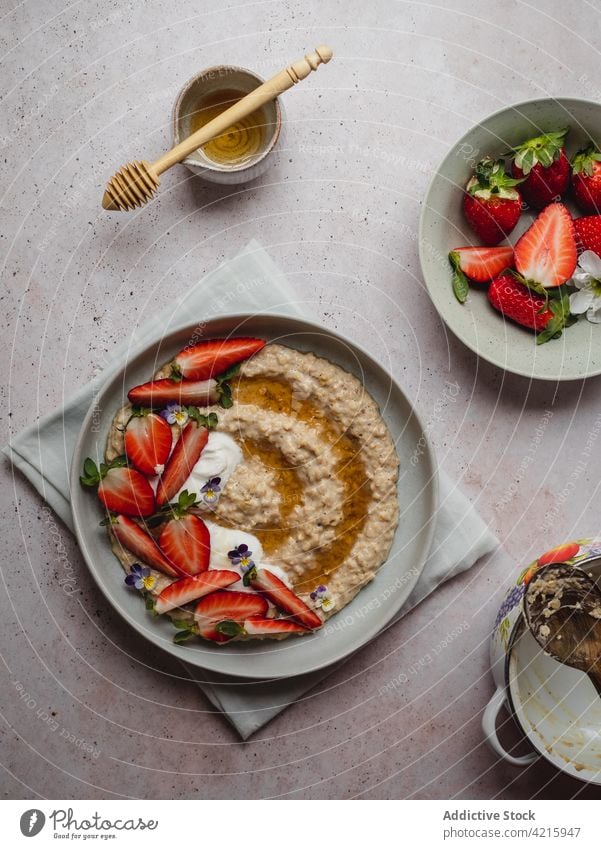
140,578
319,592
175,414
241,556
210,491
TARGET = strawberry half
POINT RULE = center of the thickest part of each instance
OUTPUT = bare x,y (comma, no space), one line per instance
478,264
186,543
546,254
214,356
138,542
121,489
258,627
542,161
147,441
491,203
189,589
158,393
586,179
226,606
588,233
283,597
184,457
517,302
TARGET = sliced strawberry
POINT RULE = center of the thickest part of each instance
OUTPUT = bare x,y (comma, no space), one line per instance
189,589
186,543
148,442
121,490
258,627
138,542
158,393
478,264
214,356
546,253
125,490
229,606
283,597
184,456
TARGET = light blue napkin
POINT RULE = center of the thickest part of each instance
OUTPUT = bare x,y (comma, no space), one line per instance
250,282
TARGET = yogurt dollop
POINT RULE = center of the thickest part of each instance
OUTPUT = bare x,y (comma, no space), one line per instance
227,539
219,458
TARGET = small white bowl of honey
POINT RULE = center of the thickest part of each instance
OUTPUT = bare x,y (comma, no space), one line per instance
241,153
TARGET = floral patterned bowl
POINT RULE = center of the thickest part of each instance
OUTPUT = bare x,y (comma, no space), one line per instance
556,707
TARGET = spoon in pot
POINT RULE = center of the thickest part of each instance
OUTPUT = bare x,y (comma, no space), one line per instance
562,606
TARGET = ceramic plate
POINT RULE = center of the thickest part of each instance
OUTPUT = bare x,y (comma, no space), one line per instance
372,608
577,353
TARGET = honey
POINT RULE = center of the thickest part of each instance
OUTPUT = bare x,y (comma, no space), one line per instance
240,142
277,396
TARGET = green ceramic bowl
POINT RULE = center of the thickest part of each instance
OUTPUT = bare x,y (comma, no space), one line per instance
577,354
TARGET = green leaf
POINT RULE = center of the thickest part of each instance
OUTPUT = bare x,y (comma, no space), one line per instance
229,628
249,576
182,636
225,399
175,374
232,371
91,473
560,307
117,463
149,603
183,624
209,421
111,519
461,286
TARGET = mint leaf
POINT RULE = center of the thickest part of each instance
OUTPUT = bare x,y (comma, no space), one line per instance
461,286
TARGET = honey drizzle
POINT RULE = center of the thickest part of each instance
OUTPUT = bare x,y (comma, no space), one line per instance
277,396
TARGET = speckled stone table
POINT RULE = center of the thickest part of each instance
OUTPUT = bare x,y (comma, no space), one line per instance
87,709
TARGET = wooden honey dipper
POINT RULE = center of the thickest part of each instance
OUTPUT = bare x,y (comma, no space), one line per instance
137,182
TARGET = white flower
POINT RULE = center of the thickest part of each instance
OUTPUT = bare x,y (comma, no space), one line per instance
587,280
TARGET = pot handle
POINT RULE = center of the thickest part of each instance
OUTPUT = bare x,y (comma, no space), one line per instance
489,726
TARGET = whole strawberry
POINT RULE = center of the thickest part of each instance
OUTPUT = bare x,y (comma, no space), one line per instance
516,301
542,161
586,179
588,233
491,202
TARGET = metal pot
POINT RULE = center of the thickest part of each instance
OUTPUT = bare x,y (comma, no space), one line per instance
556,707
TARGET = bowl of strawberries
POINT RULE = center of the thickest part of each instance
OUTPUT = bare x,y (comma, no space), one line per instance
510,239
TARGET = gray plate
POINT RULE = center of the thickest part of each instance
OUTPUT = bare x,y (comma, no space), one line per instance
374,606
577,353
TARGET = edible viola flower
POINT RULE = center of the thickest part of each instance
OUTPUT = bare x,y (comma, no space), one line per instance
587,279
140,578
210,491
320,598
242,557
175,414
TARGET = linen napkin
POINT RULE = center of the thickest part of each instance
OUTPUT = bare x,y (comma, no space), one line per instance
250,282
